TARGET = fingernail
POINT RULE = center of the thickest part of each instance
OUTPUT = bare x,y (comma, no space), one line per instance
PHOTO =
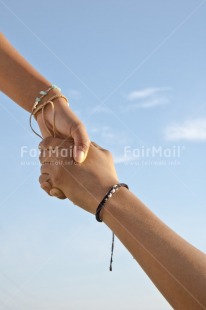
79,156
53,192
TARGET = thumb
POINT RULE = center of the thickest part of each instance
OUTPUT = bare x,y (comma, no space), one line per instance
81,143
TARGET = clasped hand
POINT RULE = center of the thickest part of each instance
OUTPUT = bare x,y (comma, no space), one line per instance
84,184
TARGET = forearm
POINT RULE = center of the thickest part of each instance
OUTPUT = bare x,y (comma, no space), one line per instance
176,268
18,79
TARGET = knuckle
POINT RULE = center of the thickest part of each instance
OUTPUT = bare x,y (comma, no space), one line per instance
106,151
76,127
80,130
80,126
108,154
83,146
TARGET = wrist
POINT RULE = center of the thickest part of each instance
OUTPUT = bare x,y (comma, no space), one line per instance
82,196
108,196
114,205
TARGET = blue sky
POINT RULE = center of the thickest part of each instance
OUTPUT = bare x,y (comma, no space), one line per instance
134,72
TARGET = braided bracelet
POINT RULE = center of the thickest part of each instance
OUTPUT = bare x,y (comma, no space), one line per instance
109,194
43,93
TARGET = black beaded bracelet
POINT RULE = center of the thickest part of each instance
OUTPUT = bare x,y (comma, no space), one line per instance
106,197
101,205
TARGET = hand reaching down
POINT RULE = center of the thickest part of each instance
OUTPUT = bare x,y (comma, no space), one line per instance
68,126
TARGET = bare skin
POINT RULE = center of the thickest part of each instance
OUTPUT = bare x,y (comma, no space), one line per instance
22,83
176,267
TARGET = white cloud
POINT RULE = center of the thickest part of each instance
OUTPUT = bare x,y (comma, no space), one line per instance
147,104
146,98
192,130
145,93
100,109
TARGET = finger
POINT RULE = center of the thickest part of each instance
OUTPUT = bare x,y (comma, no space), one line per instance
63,152
52,143
47,157
57,193
44,177
81,143
46,187
45,168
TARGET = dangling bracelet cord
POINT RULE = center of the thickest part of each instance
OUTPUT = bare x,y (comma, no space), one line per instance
40,107
109,194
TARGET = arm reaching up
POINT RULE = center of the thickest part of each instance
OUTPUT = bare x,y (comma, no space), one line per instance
176,267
